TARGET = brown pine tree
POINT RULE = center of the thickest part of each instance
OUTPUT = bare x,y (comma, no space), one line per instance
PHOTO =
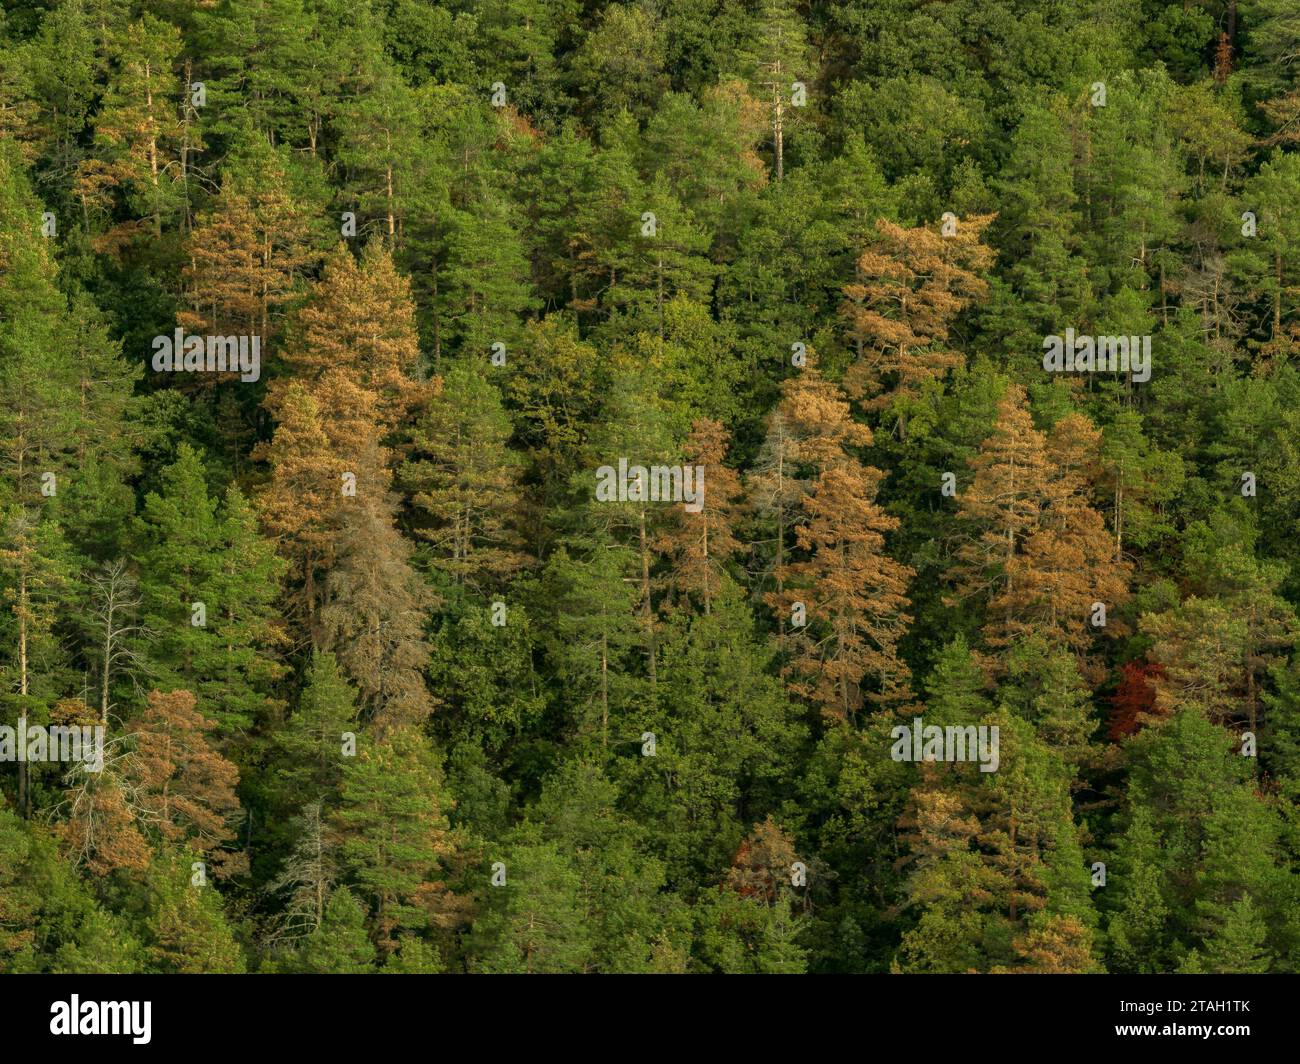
910,286
352,352
809,428
1058,945
101,815
761,867
300,507
1001,509
851,594
183,786
101,832
699,545
359,328
854,595
376,605
245,256
1074,554
1036,551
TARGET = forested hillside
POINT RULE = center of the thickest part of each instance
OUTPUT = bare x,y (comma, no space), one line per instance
539,486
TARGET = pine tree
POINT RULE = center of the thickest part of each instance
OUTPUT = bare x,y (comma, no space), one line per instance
636,429
554,392
726,732
1058,945
138,129
277,65
246,622
664,262
1008,842
354,348
37,580
339,946
749,924
464,481
809,430
1273,36
394,836
207,584
49,919
1272,192
375,606
1239,946
413,956
487,674
185,790
113,629
105,435
378,128
184,929
1196,840
606,228
1035,548
176,538
483,285
1044,685
621,885
246,251
301,506
1215,649
854,596
308,749
103,828
910,285
38,395
774,58
1038,232
1141,480
103,946
592,630
307,878
536,922
700,545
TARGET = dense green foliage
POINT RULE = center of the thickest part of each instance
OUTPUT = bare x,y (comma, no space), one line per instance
389,686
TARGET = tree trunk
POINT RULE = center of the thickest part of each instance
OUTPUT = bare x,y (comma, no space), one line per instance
24,795
1277,296
778,132
647,616
604,691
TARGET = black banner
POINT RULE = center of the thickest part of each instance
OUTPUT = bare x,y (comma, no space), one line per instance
1212,1014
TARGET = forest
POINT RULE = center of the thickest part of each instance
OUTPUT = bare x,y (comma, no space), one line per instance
663,486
